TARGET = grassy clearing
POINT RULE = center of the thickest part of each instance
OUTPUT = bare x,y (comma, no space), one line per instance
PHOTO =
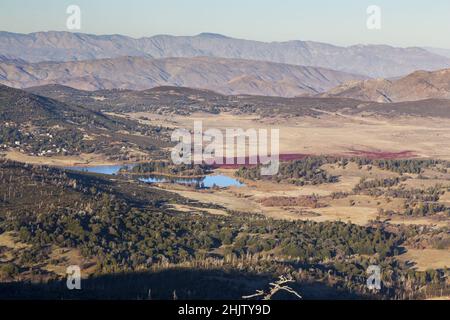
424,259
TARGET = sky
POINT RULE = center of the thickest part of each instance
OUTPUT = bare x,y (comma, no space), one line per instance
342,22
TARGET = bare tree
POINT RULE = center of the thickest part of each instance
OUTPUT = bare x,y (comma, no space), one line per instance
276,286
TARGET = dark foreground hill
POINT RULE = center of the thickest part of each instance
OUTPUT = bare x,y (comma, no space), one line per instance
128,238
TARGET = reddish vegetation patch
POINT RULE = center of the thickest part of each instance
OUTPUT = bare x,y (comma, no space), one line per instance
293,156
236,162
382,154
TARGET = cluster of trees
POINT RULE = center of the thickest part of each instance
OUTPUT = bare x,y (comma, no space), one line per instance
300,201
339,195
401,165
431,194
9,135
419,202
125,238
165,167
309,171
422,209
298,172
366,184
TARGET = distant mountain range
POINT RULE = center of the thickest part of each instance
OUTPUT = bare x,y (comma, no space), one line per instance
439,51
418,85
369,60
224,65
226,76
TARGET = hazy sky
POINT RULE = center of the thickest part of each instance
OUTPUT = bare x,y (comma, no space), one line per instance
343,22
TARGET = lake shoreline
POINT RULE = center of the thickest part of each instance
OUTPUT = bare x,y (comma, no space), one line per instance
210,180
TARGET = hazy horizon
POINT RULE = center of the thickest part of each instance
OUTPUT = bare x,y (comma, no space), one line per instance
403,23
226,36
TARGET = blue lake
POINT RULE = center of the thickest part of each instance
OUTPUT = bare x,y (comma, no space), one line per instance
221,181
109,170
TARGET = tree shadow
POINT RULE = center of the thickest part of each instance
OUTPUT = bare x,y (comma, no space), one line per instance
183,284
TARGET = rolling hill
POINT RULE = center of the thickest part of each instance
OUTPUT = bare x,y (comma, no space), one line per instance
184,101
38,125
226,76
419,85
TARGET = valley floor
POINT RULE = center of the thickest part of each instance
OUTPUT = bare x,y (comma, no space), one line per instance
331,134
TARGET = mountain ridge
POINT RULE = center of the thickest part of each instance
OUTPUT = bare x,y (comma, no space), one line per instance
369,60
